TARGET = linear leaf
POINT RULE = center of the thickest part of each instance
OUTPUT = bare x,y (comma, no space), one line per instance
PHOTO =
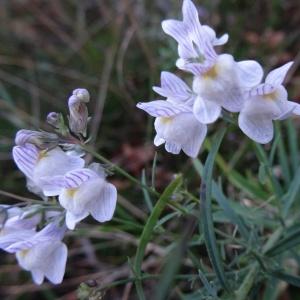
230,213
293,144
285,244
148,229
291,279
293,192
206,211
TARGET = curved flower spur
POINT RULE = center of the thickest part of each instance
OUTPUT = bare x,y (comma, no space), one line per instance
54,166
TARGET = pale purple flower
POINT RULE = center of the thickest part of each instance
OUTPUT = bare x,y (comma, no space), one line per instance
83,192
195,42
78,111
265,103
175,123
36,163
219,80
42,253
20,224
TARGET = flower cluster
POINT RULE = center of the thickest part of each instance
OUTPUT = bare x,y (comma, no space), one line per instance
219,82
55,169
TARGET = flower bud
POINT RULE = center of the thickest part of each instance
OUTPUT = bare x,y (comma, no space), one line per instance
78,111
43,140
53,119
82,94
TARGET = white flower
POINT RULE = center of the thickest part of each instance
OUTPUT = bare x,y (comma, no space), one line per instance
42,253
195,42
19,224
265,103
219,80
36,163
175,123
83,192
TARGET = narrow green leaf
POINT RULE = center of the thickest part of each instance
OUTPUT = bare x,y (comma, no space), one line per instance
153,170
262,157
282,155
271,291
285,244
212,291
292,193
206,211
230,213
293,144
291,279
174,261
148,230
244,289
262,173
145,192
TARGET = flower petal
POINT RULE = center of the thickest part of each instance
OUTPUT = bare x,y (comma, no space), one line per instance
51,232
104,207
257,127
45,259
181,132
276,77
26,158
158,140
199,35
172,86
56,162
12,238
37,276
179,31
206,111
72,219
55,270
163,108
212,36
250,73
172,147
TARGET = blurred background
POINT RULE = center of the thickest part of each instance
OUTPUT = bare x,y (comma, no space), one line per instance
116,49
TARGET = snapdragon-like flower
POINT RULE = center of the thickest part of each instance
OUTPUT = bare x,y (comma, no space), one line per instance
219,80
265,103
175,123
78,118
37,164
42,253
82,192
19,224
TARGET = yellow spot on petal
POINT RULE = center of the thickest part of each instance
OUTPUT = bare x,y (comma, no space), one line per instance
165,120
42,155
212,73
71,192
271,96
23,253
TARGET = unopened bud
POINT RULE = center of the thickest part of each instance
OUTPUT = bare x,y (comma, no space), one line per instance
82,94
78,111
53,119
43,140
